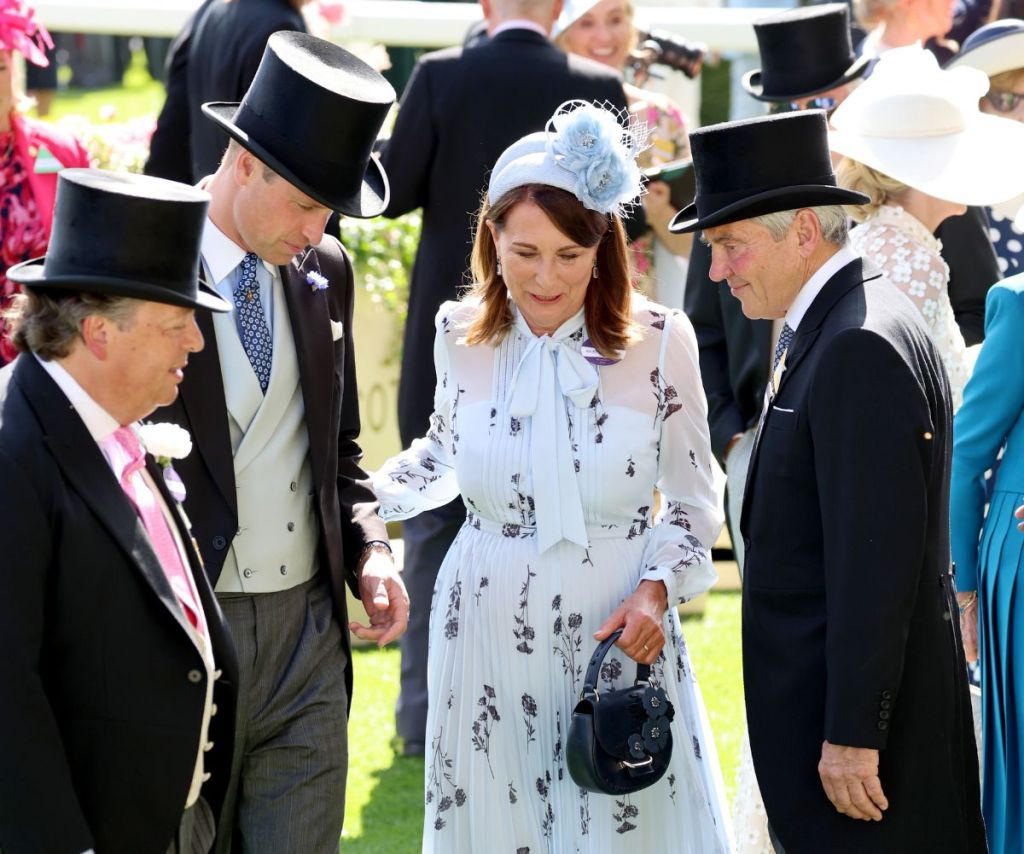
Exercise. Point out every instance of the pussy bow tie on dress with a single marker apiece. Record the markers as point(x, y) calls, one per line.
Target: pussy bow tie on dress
point(549, 372)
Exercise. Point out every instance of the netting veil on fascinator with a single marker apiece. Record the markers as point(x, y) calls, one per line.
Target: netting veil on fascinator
point(20, 31)
point(584, 150)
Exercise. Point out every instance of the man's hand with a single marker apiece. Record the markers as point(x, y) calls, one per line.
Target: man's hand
point(384, 598)
point(969, 624)
point(849, 776)
point(639, 617)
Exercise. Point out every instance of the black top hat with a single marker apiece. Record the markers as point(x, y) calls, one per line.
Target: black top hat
point(804, 51)
point(124, 235)
point(312, 114)
point(759, 166)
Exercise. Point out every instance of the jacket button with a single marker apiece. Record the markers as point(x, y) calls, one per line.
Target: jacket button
point(247, 573)
point(883, 725)
point(291, 526)
point(885, 704)
point(219, 543)
point(195, 677)
point(284, 570)
point(887, 695)
point(294, 486)
point(883, 716)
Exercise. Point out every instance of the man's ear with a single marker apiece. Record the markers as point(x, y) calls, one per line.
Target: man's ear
point(808, 232)
point(95, 332)
point(246, 167)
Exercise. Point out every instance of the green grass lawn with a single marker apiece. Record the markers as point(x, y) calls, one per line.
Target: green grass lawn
point(140, 95)
point(384, 803)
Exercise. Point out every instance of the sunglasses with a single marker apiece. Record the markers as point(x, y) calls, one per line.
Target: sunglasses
point(1005, 102)
point(827, 104)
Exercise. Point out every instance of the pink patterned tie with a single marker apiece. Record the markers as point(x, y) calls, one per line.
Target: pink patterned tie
point(147, 505)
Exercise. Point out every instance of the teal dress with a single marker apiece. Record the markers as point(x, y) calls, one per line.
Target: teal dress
point(989, 551)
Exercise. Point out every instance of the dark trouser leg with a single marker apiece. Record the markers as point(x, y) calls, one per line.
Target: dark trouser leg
point(775, 840)
point(426, 538)
point(291, 748)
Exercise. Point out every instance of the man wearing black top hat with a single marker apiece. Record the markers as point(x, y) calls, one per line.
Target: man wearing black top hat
point(282, 512)
point(855, 682)
point(807, 60)
point(116, 657)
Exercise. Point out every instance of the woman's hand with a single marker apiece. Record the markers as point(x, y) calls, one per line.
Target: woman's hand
point(969, 623)
point(640, 617)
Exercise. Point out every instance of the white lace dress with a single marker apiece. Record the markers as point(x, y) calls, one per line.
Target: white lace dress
point(557, 458)
point(911, 257)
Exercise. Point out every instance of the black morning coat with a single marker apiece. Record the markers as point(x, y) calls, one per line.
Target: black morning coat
point(849, 618)
point(462, 108)
point(102, 689)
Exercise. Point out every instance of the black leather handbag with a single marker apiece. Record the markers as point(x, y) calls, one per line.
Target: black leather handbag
point(619, 741)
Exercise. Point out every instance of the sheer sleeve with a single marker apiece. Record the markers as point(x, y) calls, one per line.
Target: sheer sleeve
point(678, 552)
point(423, 476)
point(916, 270)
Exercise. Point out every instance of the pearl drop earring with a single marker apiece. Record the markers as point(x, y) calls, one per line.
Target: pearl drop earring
point(498, 271)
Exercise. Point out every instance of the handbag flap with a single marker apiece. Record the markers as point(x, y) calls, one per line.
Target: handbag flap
point(617, 716)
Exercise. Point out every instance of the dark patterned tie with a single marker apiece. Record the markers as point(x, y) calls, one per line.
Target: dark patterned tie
point(253, 323)
point(785, 339)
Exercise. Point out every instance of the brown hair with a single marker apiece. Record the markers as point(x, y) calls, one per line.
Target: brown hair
point(608, 301)
point(1008, 79)
point(48, 323)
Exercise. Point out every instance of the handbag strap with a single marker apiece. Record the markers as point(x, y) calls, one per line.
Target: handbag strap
point(643, 671)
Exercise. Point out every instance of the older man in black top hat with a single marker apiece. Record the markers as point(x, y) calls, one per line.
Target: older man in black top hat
point(807, 60)
point(857, 704)
point(283, 515)
point(116, 656)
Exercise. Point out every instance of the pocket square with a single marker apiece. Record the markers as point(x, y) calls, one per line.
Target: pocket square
point(337, 330)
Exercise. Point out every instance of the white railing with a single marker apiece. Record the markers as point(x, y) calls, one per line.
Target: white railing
point(394, 22)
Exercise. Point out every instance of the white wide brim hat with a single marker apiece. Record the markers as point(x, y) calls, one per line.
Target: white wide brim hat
point(993, 49)
point(921, 125)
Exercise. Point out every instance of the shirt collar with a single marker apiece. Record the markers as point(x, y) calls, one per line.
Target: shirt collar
point(100, 423)
point(520, 24)
point(222, 255)
point(812, 287)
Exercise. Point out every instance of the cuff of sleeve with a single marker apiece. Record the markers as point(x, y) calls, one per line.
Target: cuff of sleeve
point(684, 583)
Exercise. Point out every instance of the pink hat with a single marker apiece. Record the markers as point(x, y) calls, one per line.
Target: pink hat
point(20, 31)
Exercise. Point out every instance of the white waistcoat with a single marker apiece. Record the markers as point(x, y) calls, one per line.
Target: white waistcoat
point(275, 547)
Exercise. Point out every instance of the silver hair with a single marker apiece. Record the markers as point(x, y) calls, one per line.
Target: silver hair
point(835, 226)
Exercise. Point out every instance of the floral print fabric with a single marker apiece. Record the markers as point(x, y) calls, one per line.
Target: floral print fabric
point(512, 624)
point(22, 233)
point(911, 258)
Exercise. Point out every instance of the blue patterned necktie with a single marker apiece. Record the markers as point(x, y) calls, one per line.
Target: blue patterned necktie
point(785, 339)
point(252, 322)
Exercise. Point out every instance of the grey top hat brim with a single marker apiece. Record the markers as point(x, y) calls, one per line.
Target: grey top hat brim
point(30, 274)
point(768, 201)
point(752, 83)
point(373, 194)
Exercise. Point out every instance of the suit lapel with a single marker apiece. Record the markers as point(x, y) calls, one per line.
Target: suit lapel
point(314, 350)
point(842, 281)
point(202, 396)
point(85, 468)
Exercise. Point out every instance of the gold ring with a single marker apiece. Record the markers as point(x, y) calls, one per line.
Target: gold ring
point(645, 648)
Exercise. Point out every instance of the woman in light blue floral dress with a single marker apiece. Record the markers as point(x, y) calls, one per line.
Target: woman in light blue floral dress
point(563, 400)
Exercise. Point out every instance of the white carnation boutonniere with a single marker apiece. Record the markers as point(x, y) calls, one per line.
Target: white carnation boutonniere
point(167, 442)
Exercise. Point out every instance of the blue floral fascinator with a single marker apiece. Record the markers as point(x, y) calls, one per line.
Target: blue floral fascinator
point(585, 150)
